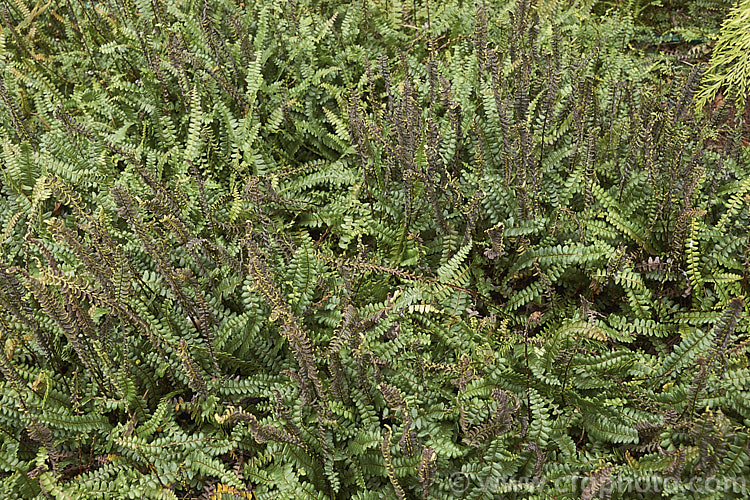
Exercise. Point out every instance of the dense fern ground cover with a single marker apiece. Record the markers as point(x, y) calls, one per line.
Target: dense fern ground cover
point(303, 249)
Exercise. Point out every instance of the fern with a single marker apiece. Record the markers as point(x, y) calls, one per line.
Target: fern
point(305, 250)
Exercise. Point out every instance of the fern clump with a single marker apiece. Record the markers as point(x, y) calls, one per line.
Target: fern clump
point(353, 250)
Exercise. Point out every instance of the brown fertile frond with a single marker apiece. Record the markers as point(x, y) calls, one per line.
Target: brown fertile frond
point(195, 378)
point(500, 421)
point(427, 469)
point(385, 449)
point(393, 397)
point(290, 327)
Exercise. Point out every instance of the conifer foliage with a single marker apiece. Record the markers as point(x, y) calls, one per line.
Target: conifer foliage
point(363, 249)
